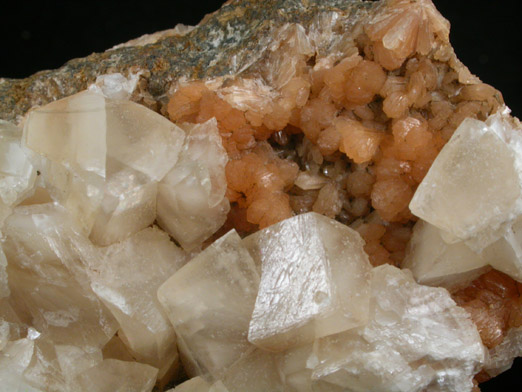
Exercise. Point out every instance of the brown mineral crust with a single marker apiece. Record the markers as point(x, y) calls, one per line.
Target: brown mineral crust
point(224, 43)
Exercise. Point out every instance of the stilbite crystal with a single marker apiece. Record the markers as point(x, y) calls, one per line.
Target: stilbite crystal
point(314, 281)
point(209, 301)
point(416, 339)
point(191, 198)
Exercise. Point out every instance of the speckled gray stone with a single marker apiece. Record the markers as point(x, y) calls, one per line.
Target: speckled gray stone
point(225, 42)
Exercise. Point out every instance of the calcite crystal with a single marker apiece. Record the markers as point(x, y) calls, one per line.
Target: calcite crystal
point(229, 203)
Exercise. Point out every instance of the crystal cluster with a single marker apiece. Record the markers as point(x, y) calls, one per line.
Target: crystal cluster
point(470, 203)
point(250, 241)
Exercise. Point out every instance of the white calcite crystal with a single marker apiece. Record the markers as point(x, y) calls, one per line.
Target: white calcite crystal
point(101, 158)
point(416, 339)
point(17, 174)
point(47, 279)
point(314, 282)
point(191, 198)
point(209, 302)
point(473, 190)
point(435, 262)
point(126, 277)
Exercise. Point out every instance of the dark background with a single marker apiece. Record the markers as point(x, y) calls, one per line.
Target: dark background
point(485, 35)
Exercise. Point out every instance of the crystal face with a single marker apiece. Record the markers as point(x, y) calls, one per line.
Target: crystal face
point(191, 198)
point(239, 229)
point(416, 338)
point(314, 281)
point(107, 171)
point(474, 185)
point(209, 302)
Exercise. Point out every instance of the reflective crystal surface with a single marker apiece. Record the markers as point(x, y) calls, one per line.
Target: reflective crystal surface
point(17, 175)
point(191, 198)
point(209, 301)
point(101, 159)
point(416, 339)
point(48, 282)
point(314, 281)
point(474, 184)
point(126, 277)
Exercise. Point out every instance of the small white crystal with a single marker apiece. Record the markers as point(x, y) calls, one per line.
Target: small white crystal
point(115, 85)
point(314, 282)
point(473, 187)
point(209, 301)
point(191, 198)
point(417, 339)
point(126, 277)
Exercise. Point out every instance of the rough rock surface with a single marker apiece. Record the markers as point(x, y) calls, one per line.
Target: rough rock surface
point(225, 42)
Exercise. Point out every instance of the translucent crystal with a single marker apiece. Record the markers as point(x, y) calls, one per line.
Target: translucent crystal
point(209, 301)
point(47, 279)
point(191, 198)
point(126, 277)
point(416, 339)
point(295, 373)
point(113, 375)
point(197, 384)
point(474, 184)
point(435, 262)
point(501, 357)
point(101, 158)
point(17, 175)
point(128, 205)
point(255, 372)
point(314, 281)
point(14, 360)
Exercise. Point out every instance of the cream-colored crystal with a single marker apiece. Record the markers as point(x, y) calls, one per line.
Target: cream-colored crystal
point(435, 262)
point(126, 277)
point(254, 372)
point(191, 198)
point(17, 175)
point(209, 301)
point(198, 384)
point(416, 339)
point(293, 368)
point(473, 187)
point(47, 278)
point(101, 159)
point(4, 287)
point(314, 281)
point(14, 360)
point(113, 375)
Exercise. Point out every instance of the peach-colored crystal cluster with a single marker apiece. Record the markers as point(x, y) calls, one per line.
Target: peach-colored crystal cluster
point(364, 129)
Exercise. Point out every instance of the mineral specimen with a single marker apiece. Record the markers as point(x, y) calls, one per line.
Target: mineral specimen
point(314, 281)
point(291, 160)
